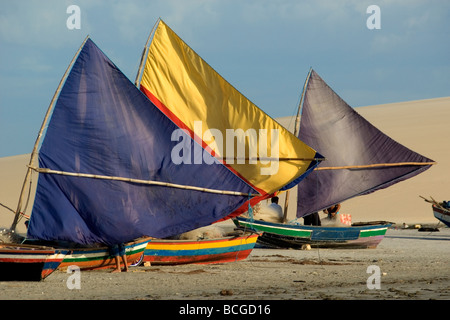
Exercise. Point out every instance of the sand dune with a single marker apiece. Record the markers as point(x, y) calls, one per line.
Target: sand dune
point(420, 125)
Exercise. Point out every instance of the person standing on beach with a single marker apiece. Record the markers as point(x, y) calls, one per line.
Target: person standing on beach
point(118, 251)
point(312, 219)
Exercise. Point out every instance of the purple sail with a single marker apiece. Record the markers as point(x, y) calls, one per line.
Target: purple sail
point(360, 159)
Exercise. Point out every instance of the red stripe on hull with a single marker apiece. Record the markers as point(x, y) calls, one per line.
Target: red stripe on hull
point(19, 260)
point(199, 259)
point(101, 263)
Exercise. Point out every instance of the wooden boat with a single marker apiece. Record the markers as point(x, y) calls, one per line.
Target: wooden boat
point(360, 159)
point(208, 251)
point(276, 235)
point(441, 210)
point(100, 258)
point(19, 262)
point(442, 214)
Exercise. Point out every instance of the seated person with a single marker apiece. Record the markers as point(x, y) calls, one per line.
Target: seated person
point(333, 211)
point(271, 213)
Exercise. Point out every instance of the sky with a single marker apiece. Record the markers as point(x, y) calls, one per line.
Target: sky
point(264, 48)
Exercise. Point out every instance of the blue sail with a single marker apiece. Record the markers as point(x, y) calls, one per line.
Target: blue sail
point(103, 125)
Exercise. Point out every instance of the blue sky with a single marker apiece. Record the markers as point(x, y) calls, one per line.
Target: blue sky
point(263, 47)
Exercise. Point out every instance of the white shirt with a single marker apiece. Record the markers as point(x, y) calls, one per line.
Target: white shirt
point(277, 208)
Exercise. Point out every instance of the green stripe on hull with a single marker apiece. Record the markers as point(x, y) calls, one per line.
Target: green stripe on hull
point(278, 230)
point(372, 232)
point(83, 257)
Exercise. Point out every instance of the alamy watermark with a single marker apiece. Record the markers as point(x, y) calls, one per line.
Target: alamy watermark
point(374, 281)
point(74, 20)
point(241, 147)
point(256, 141)
point(74, 280)
point(374, 20)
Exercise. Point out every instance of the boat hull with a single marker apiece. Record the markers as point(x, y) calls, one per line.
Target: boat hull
point(100, 258)
point(175, 252)
point(276, 235)
point(28, 263)
point(442, 215)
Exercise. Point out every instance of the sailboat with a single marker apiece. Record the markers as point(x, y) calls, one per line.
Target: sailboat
point(442, 213)
point(229, 248)
point(360, 159)
point(107, 174)
point(20, 262)
point(228, 127)
point(441, 210)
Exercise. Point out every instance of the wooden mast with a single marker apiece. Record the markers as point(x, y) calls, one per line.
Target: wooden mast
point(38, 139)
point(144, 54)
point(296, 130)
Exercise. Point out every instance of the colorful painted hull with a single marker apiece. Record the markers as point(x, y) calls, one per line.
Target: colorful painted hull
point(174, 252)
point(100, 257)
point(442, 215)
point(28, 263)
point(277, 235)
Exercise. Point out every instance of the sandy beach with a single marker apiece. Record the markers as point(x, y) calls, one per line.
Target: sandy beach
point(413, 265)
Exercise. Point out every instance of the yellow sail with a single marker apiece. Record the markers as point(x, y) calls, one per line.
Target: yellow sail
point(220, 118)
